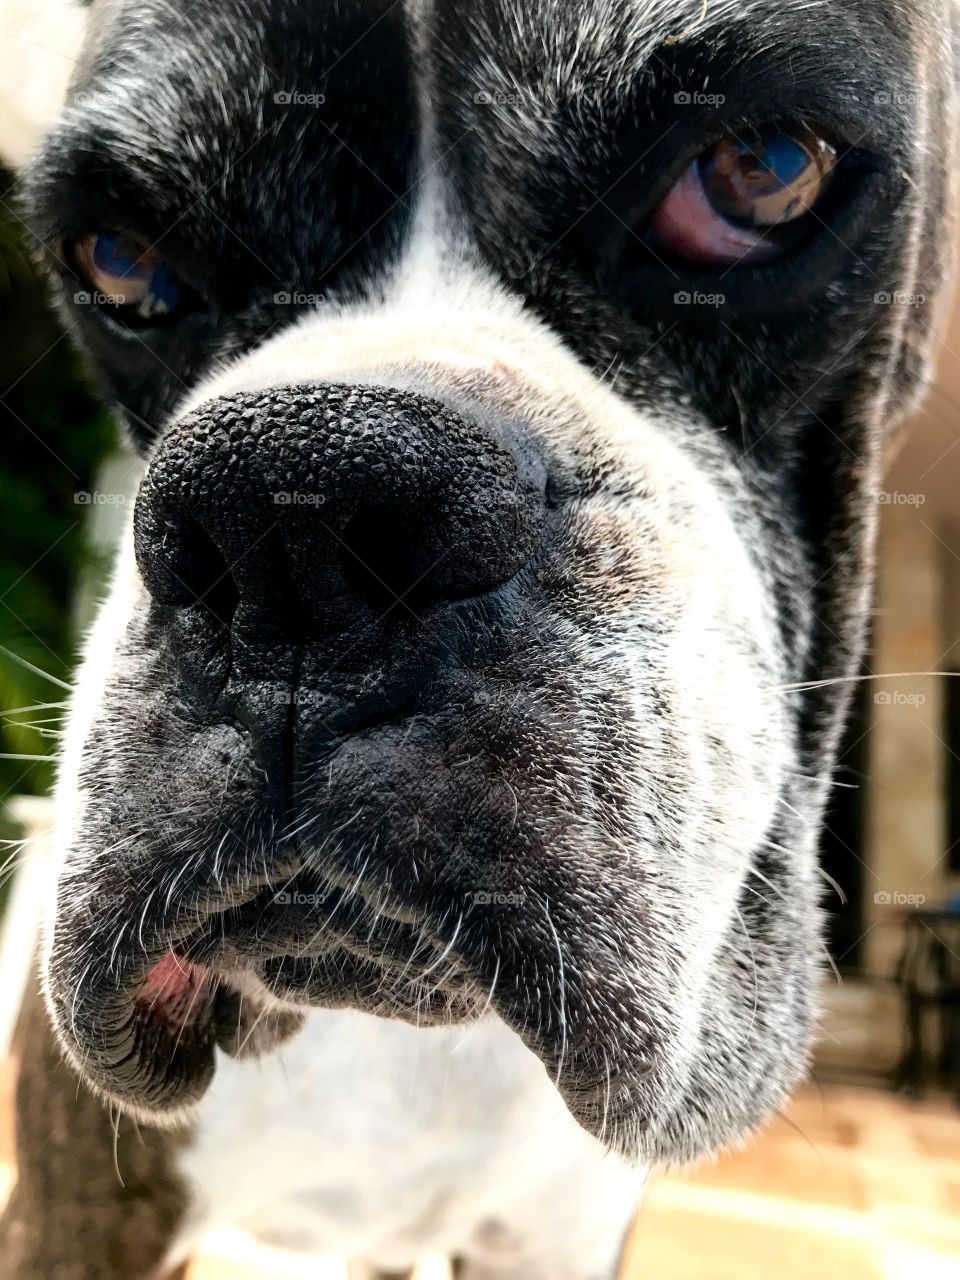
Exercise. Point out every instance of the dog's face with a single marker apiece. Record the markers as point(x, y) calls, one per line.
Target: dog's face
point(512, 381)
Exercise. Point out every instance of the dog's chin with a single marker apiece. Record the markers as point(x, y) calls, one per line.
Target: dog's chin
point(241, 983)
point(168, 1029)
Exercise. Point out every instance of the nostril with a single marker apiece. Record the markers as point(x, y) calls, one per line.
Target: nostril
point(204, 573)
point(379, 559)
point(208, 574)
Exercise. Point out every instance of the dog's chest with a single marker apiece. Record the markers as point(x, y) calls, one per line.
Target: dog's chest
point(363, 1137)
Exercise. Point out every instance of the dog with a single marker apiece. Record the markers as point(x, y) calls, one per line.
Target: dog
point(511, 384)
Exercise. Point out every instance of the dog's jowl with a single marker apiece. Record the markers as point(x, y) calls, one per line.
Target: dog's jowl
point(437, 821)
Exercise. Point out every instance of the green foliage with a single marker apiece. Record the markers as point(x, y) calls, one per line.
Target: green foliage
point(54, 434)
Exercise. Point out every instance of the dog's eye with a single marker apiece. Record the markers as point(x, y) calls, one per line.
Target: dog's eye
point(123, 274)
point(744, 200)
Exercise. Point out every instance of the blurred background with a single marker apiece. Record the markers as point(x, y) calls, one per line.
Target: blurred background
point(56, 435)
point(863, 1174)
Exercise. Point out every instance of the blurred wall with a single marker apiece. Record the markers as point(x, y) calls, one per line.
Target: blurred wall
point(905, 852)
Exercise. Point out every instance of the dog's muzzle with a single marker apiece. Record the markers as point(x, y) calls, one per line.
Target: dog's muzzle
point(332, 573)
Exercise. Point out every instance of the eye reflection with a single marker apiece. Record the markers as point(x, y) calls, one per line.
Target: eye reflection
point(125, 273)
point(773, 180)
point(745, 200)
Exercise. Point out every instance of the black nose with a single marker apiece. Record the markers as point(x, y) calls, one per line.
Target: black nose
point(288, 513)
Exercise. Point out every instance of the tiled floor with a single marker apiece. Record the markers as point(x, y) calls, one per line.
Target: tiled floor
point(849, 1183)
point(852, 1184)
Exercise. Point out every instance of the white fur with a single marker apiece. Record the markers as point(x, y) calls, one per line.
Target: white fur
point(380, 1141)
point(39, 43)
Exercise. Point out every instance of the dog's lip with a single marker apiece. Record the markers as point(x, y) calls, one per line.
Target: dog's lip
point(269, 933)
point(237, 981)
point(184, 996)
point(141, 1019)
point(174, 990)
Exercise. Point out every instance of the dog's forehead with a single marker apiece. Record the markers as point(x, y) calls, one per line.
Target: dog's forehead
point(194, 89)
point(605, 38)
point(198, 83)
point(590, 43)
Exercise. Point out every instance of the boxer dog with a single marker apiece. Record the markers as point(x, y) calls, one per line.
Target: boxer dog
point(438, 810)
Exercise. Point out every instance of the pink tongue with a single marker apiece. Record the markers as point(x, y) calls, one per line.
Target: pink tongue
point(172, 990)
